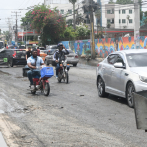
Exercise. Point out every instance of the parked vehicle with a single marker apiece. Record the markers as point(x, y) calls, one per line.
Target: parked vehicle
point(52, 47)
point(41, 48)
point(72, 58)
point(22, 47)
point(43, 55)
point(122, 73)
point(49, 57)
point(1, 44)
point(12, 57)
point(63, 72)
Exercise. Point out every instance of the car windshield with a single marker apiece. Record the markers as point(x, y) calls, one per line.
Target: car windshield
point(1, 45)
point(70, 51)
point(137, 60)
point(53, 47)
point(51, 52)
point(21, 47)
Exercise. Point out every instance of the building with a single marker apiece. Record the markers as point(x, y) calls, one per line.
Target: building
point(119, 16)
point(66, 9)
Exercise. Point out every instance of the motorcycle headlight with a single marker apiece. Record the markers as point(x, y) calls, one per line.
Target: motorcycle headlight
point(143, 79)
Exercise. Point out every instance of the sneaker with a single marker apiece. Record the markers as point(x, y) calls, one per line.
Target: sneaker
point(56, 77)
point(31, 87)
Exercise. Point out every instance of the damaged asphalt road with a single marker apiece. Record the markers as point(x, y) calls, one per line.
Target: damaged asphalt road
point(72, 115)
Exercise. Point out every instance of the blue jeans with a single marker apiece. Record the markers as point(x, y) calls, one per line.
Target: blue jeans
point(32, 74)
point(57, 69)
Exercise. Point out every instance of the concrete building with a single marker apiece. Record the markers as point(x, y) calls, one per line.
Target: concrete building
point(119, 16)
point(66, 9)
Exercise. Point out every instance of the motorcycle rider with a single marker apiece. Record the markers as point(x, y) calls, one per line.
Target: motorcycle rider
point(59, 56)
point(34, 62)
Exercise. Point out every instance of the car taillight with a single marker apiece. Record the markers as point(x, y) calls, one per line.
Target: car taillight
point(76, 56)
point(14, 55)
point(98, 65)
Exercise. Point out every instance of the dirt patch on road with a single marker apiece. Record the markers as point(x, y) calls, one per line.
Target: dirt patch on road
point(5, 73)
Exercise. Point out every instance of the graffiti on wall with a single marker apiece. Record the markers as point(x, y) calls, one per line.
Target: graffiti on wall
point(104, 47)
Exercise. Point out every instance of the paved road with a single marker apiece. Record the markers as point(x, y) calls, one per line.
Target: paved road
point(72, 115)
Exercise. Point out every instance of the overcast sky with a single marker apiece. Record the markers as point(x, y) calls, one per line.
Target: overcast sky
point(9, 6)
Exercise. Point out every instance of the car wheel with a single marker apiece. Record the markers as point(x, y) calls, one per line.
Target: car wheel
point(129, 94)
point(101, 87)
point(11, 63)
point(74, 65)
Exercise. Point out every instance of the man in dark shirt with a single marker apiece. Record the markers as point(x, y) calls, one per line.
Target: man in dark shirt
point(28, 53)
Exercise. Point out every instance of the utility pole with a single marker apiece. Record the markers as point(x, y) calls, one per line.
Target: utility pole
point(92, 34)
point(136, 24)
point(9, 23)
point(16, 32)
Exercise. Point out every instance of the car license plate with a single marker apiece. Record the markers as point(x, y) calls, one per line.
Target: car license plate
point(22, 56)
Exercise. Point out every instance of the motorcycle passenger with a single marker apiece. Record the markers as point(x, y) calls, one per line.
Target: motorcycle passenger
point(28, 53)
point(34, 62)
point(59, 56)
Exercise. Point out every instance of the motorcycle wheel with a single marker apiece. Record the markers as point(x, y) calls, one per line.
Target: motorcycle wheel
point(67, 78)
point(46, 89)
point(33, 92)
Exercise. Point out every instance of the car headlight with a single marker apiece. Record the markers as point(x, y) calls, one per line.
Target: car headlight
point(143, 79)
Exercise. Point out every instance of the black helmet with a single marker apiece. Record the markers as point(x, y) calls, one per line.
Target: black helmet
point(60, 44)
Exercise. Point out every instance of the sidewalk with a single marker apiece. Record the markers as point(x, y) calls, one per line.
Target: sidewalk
point(2, 141)
point(92, 62)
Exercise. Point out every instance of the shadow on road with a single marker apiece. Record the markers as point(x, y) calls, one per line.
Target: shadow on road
point(117, 99)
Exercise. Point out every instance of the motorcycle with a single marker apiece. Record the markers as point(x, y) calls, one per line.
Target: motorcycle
point(63, 72)
point(41, 83)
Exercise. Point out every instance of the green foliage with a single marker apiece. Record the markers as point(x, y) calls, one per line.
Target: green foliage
point(73, 1)
point(111, 2)
point(108, 25)
point(69, 33)
point(48, 23)
point(124, 2)
point(82, 31)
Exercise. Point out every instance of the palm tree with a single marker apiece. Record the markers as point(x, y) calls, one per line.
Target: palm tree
point(98, 17)
point(128, 17)
point(73, 2)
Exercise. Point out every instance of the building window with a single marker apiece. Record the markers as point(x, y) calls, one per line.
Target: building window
point(130, 21)
point(70, 11)
point(119, 20)
point(108, 21)
point(130, 11)
point(123, 21)
point(119, 11)
point(112, 21)
point(108, 11)
point(123, 11)
point(112, 11)
point(57, 10)
point(62, 11)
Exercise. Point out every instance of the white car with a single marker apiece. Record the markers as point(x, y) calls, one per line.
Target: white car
point(122, 73)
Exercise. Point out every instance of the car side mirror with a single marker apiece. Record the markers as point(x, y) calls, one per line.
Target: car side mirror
point(119, 65)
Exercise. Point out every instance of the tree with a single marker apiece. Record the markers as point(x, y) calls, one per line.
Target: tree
point(98, 17)
point(124, 2)
point(108, 25)
point(73, 2)
point(111, 2)
point(48, 23)
point(128, 17)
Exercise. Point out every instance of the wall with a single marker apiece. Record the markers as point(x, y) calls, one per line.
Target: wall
point(106, 46)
